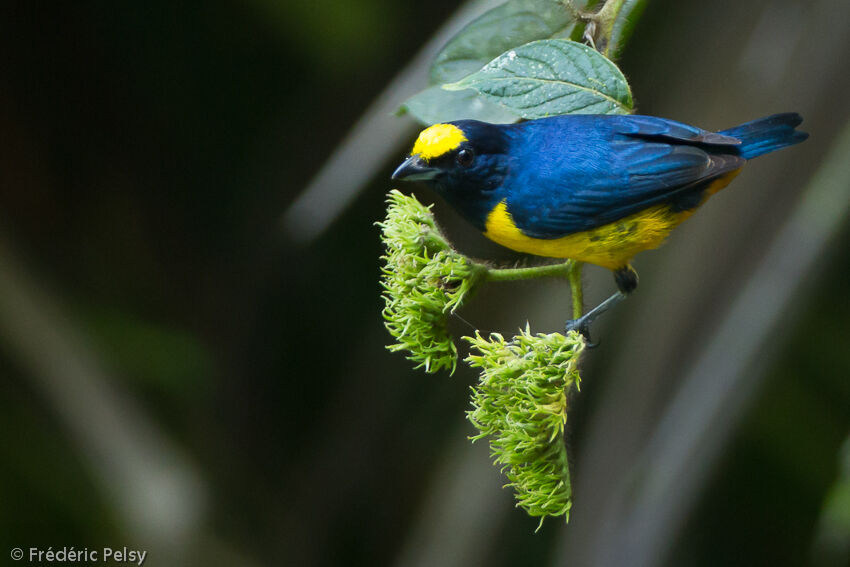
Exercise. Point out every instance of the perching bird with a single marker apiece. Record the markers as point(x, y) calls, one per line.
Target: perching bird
point(594, 188)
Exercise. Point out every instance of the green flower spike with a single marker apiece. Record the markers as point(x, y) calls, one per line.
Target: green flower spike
point(520, 403)
point(424, 280)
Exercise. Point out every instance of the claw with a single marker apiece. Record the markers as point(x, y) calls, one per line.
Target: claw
point(582, 327)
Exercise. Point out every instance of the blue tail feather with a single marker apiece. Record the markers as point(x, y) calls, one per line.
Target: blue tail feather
point(767, 134)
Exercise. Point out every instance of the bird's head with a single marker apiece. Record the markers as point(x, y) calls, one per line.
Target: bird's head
point(465, 162)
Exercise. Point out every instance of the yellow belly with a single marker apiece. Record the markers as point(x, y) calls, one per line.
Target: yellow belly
point(611, 246)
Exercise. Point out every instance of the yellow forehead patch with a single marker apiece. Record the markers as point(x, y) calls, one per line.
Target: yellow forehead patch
point(438, 140)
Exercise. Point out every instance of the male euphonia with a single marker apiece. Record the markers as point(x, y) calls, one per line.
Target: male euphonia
point(594, 188)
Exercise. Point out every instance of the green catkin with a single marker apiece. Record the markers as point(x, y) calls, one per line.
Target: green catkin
point(424, 280)
point(520, 404)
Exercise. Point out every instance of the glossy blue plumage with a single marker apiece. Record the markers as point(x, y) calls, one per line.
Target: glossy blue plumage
point(568, 174)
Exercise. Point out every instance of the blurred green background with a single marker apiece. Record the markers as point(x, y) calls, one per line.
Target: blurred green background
point(186, 374)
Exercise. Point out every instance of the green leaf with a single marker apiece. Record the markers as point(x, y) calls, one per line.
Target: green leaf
point(435, 105)
point(552, 77)
point(510, 25)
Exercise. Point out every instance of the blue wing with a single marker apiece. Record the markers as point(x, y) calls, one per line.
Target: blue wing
point(593, 170)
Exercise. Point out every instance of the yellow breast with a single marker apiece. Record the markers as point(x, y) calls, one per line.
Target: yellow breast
point(611, 246)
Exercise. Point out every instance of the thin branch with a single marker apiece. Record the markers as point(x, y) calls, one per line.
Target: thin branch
point(577, 289)
point(513, 274)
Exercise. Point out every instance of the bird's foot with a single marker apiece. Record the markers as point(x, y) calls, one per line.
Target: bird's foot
point(582, 327)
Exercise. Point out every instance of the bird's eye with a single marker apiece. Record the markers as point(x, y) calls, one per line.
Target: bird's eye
point(465, 157)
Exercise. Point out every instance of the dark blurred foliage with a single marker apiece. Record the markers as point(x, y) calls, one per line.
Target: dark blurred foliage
point(766, 498)
point(147, 150)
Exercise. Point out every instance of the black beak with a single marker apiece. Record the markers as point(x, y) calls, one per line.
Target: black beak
point(414, 168)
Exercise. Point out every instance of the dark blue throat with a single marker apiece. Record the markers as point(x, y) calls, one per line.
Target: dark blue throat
point(475, 191)
point(473, 206)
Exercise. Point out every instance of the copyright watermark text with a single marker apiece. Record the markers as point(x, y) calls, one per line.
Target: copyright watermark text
point(108, 555)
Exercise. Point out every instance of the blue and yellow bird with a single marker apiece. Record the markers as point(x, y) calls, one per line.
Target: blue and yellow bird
point(594, 188)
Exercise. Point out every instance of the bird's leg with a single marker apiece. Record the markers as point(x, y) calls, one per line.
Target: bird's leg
point(582, 324)
point(627, 280)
